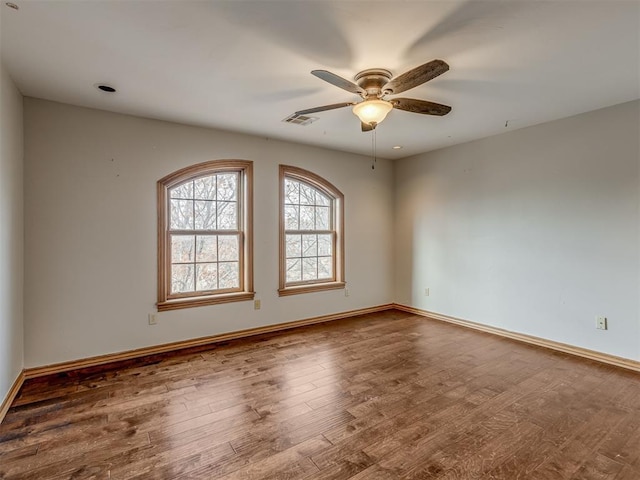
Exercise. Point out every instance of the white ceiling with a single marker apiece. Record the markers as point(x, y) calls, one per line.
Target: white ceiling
point(244, 65)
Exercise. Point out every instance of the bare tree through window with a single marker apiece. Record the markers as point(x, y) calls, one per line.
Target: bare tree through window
point(309, 237)
point(204, 234)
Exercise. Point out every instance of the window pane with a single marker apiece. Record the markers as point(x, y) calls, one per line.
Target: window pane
point(182, 279)
point(206, 248)
point(322, 199)
point(291, 217)
point(322, 218)
point(182, 191)
point(291, 192)
point(307, 195)
point(204, 188)
point(228, 248)
point(228, 275)
point(325, 267)
point(181, 215)
point(182, 248)
point(309, 256)
point(205, 215)
point(306, 218)
point(227, 186)
point(310, 268)
point(206, 276)
point(294, 270)
point(294, 246)
point(309, 245)
point(325, 245)
point(227, 215)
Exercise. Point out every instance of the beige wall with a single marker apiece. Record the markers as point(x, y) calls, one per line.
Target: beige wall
point(90, 209)
point(535, 231)
point(11, 233)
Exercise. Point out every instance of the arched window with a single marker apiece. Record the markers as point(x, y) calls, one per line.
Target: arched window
point(311, 233)
point(204, 235)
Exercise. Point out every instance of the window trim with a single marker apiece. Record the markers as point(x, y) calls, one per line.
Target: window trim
point(245, 197)
point(326, 187)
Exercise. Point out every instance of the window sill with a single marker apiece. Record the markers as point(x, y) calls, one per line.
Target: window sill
point(317, 287)
point(203, 301)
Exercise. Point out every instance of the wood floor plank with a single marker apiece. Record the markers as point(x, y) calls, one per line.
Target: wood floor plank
point(627, 473)
point(293, 462)
point(61, 456)
point(163, 461)
point(598, 468)
point(388, 395)
point(485, 454)
point(345, 467)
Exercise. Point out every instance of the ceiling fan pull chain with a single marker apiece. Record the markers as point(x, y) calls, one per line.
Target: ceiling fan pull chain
point(374, 145)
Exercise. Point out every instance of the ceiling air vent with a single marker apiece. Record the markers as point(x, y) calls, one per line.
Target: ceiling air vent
point(300, 119)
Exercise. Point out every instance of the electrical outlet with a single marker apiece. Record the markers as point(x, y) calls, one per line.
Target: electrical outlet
point(601, 323)
point(256, 304)
point(426, 292)
point(153, 319)
point(346, 292)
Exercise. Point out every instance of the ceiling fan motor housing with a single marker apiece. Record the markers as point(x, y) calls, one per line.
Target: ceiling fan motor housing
point(372, 81)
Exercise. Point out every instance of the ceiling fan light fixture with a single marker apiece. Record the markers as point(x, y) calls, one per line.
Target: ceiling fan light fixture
point(372, 111)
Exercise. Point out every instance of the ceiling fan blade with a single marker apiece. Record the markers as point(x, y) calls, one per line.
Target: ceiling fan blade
point(367, 127)
point(420, 106)
point(334, 79)
point(324, 107)
point(415, 77)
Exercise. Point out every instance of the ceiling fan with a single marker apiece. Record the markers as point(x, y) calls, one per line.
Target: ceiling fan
point(375, 84)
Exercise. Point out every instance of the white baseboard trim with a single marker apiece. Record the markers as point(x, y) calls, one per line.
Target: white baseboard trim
point(62, 367)
point(541, 342)
point(11, 395)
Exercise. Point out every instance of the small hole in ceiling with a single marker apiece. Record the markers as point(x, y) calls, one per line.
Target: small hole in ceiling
point(105, 88)
point(12, 5)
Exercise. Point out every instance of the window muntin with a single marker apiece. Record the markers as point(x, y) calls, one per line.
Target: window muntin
point(311, 233)
point(309, 236)
point(205, 235)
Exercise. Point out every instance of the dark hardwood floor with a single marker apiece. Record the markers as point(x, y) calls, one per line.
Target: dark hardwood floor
point(382, 396)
